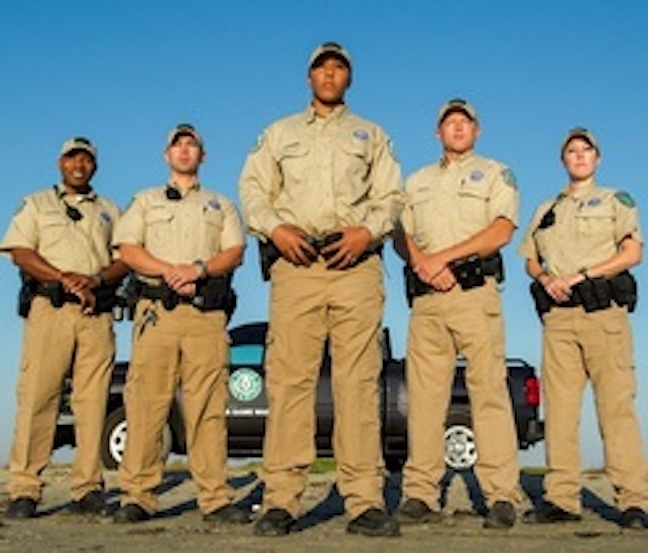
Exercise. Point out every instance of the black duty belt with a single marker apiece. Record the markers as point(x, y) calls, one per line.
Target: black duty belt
point(150, 292)
point(269, 253)
point(212, 294)
point(469, 272)
point(167, 296)
point(54, 291)
point(593, 294)
point(105, 296)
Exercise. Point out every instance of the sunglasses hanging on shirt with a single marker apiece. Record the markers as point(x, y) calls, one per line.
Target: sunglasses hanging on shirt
point(172, 194)
point(73, 213)
point(549, 217)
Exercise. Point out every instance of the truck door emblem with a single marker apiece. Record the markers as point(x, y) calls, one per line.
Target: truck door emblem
point(245, 384)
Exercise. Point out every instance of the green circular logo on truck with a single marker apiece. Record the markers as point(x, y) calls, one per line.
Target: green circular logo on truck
point(245, 384)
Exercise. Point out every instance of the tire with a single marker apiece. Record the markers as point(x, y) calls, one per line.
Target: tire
point(460, 447)
point(113, 439)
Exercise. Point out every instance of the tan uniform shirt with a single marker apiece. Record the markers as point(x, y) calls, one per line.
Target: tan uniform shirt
point(448, 203)
point(589, 224)
point(321, 173)
point(198, 226)
point(42, 225)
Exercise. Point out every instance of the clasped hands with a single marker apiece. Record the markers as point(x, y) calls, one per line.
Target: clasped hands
point(433, 269)
point(560, 287)
point(293, 245)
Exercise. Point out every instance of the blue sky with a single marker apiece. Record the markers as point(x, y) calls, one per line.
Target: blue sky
point(124, 73)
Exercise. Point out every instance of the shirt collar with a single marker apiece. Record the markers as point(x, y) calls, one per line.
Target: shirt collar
point(89, 196)
point(338, 112)
point(196, 186)
point(579, 193)
point(460, 160)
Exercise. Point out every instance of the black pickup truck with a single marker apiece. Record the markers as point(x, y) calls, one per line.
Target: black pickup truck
point(247, 408)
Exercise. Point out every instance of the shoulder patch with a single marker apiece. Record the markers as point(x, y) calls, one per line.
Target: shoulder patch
point(509, 177)
point(22, 206)
point(259, 142)
point(390, 149)
point(625, 198)
point(130, 204)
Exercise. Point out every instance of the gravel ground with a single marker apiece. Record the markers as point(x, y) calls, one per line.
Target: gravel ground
point(179, 526)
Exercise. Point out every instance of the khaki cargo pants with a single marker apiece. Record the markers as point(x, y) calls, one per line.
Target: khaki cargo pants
point(54, 341)
point(307, 305)
point(578, 346)
point(189, 348)
point(441, 326)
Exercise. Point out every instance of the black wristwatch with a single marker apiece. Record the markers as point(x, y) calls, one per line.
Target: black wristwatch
point(202, 266)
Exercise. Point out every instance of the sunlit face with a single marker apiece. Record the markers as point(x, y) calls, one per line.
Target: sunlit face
point(184, 155)
point(458, 133)
point(329, 80)
point(580, 159)
point(77, 168)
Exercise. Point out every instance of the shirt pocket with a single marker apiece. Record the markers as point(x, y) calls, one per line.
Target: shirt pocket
point(353, 166)
point(213, 228)
point(159, 227)
point(474, 201)
point(596, 225)
point(293, 160)
point(53, 226)
point(419, 202)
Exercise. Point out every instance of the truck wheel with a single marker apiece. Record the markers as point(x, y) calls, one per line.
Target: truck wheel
point(113, 439)
point(460, 448)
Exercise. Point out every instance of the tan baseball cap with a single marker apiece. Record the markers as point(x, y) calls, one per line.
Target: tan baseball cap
point(329, 49)
point(456, 104)
point(78, 144)
point(580, 132)
point(184, 129)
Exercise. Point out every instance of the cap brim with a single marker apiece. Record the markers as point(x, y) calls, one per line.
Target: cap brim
point(78, 149)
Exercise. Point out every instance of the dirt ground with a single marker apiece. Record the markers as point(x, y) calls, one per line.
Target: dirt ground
point(179, 526)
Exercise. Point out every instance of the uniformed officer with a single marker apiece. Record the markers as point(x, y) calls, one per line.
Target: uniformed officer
point(578, 249)
point(321, 191)
point(60, 239)
point(459, 212)
point(184, 242)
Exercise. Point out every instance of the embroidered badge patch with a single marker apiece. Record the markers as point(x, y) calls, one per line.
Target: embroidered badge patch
point(593, 202)
point(259, 142)
point(476, 175)
point(509, 177)
point(213, 205)
point(361, 134)
point(105, 217)
point(390, 149)
point(625, 198)
point(22, 206)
